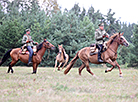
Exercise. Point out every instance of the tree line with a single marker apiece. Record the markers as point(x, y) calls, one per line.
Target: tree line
point(73, 28)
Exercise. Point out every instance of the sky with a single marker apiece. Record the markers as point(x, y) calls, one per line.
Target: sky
point(125, 10)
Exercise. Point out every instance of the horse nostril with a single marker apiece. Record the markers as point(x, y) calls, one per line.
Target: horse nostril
point(53, 48)
point(126, 44)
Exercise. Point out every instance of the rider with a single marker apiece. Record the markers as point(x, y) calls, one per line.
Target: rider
point(100, 33)
point(27, 39)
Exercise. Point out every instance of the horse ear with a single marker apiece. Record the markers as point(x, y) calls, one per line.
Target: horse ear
point(119, 33)
point(122, 34)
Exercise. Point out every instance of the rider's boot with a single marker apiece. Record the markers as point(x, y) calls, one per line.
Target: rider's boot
point(99, 58)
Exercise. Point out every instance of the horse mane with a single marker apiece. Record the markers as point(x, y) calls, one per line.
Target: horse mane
point(111, 38)
point(63, 52)
point(39, 46)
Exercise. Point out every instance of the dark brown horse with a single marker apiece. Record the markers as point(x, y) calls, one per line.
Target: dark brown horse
point(36, 59)
point(61, 57)
point(108, 56)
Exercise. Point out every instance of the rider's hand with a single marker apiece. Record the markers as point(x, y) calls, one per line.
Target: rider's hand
point(103, 36)
point(107, 36)
point(27, 41)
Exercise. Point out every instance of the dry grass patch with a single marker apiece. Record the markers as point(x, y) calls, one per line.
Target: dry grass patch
point(49, 86)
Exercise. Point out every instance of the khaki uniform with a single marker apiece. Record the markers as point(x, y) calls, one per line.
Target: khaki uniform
point(99, 36)
point(29, 38)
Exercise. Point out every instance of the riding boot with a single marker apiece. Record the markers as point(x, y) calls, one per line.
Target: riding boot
point(29, 62)
point(30, 59)
point(99, 57)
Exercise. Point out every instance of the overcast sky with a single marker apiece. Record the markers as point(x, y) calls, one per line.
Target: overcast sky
point(127, 10)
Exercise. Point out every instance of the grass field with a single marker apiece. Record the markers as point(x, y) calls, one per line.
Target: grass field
point(49, 86)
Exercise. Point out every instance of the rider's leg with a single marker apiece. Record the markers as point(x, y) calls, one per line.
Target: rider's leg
point(100, 46)
point(30, 55)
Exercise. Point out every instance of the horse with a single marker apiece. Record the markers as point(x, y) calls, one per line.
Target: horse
point(36, 59)
point(61, 57)
point(108, 56)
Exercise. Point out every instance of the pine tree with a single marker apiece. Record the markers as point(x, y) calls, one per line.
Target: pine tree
point(11, 34)
point(134, 56)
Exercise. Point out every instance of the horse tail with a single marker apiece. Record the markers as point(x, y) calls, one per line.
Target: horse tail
point(72, 62)
point(5, 57)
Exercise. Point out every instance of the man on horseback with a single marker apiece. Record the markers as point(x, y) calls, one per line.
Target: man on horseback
point(27, 39)
point(100, 33)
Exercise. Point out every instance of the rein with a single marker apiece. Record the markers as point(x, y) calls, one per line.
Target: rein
point(118, 42)
point(113, 51)
point(48, 52)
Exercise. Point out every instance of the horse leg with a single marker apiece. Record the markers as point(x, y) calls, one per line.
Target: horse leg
point(88, 68)
point(59, 66)
point(11, 65)
point(55, 66)
point(120, 72)
point(10, 68)
point(34, 68)
point(113, 66)
point(81, 68)
point(64, 65)
point(66, 61)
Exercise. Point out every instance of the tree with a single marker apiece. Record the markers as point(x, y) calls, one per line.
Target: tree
point(134, 49)
point(49, 6)
point(11, 33)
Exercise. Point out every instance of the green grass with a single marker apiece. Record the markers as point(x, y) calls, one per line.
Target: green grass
point(49, 86)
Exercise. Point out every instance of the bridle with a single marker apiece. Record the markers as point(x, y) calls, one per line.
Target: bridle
point(45, 44)
point(114, 40)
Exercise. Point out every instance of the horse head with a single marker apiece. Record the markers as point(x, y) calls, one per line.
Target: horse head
point(119, 38)
point(60, 48)
point(122, 40)
point(48, 45)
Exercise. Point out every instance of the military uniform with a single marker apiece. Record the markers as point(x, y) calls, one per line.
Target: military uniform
point(28, 42)
point(99, 36)
point(99, 40)
point(26, 38)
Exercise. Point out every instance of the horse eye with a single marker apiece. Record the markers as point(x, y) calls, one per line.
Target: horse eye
point(121, 38)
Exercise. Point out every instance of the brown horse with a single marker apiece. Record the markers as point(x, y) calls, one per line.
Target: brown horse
point(108, 56)
point(36, 59)
point(62, 57)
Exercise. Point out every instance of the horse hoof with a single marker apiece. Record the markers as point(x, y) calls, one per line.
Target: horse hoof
point(120, 76)
point(105, 71)
point(34, 73)
point(12, 71)
point(95, 76)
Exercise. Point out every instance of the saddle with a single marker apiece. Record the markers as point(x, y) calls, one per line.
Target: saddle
point(24, 50)
point(94, 48)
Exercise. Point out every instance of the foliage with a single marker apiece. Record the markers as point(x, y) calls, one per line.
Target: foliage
point(134, 49)
point(73, 28)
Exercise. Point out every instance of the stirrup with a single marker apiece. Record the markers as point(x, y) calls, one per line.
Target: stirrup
point(34, 54)
point(100, 60)
point(29, 63)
